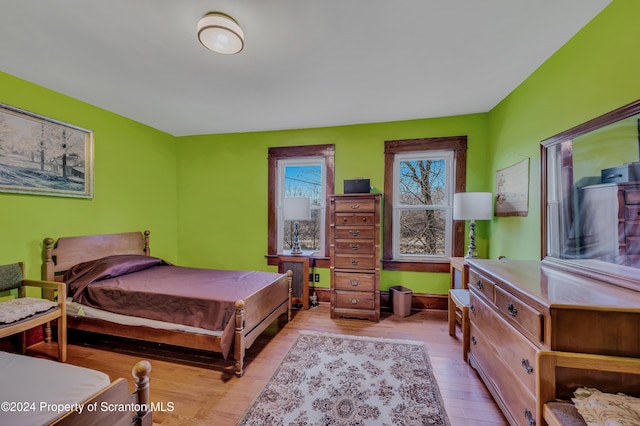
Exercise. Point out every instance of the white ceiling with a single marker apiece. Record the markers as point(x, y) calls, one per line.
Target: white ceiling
point(305, 63)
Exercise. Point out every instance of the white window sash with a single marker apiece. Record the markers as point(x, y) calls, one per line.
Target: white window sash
point(281, 166)
point(446, 207)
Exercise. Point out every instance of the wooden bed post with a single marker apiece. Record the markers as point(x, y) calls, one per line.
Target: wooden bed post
point(141, 372)
point(47, 266)
point(239, 348)
point(147, 249)
point(290, 281)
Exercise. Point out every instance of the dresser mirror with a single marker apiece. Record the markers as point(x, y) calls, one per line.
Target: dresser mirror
point(590, 197)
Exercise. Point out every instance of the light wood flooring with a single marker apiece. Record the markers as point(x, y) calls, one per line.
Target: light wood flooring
point(204, 390)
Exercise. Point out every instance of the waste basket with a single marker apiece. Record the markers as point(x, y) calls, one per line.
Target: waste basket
point(401, 300)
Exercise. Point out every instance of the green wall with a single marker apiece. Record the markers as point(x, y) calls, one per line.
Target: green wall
point(208, 193)
point(135, 182)
point(595, 72)
point(222, 187)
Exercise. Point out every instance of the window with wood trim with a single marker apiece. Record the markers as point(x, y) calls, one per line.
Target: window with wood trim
point(299, 171)
point(421, 176)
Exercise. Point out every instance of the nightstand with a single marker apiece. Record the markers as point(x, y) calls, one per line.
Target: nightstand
point(459, 271)
point(299, 265)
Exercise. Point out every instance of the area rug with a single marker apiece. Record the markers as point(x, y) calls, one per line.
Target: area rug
point(329, 379)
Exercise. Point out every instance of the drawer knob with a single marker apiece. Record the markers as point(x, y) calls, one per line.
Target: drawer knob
point(473, 340)
point(479, 284)
point(354, 232)
point(354, 301)
point(513, 311)
point(529, 416)
point(364, 219)
point(354, 262)
point(355, 246)
point(355, 206)
point(344, 219)
point(472, 308)
point(354, 283)
point(527, 367)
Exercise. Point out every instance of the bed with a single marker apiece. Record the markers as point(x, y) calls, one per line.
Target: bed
point(44, 392)
point(215, 310)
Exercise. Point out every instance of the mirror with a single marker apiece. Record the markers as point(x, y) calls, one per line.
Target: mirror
point(590, 209)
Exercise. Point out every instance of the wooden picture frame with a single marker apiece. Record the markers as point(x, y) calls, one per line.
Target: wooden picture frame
point(43, 156)
point(512, 190)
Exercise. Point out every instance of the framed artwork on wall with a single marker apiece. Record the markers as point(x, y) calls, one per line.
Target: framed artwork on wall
point(40, 155)
point(512, 190)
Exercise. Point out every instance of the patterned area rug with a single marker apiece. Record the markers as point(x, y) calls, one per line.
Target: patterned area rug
point(328, 379)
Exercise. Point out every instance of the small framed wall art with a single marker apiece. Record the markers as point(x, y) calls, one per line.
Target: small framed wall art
point(40, 155)
point(512, 190)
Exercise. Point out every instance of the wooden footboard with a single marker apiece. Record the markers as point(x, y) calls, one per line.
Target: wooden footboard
point(262, 313)
point(114, 405)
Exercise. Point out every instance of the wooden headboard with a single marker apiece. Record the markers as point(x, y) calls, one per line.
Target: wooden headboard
point(69, 251)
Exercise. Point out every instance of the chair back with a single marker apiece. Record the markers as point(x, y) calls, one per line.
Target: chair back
point(11, 276)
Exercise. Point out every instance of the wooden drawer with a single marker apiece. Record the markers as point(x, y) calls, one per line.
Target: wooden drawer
point(632, 227)
point(359, 282)
point(516, 352)
point(354, 246)
point(528, 319)
point(632, 212)
point(632, 195)
point(355, 300)
point(517, 397)
point(633, 244)
point(355, 205)
point(355, 261)
point(354, 219)
point(356, 231)
point(482, 284)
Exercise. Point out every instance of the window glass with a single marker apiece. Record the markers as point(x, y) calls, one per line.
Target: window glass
point(303, 179)
point(421, 206)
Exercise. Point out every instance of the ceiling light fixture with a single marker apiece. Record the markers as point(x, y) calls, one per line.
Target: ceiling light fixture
point(220, 33)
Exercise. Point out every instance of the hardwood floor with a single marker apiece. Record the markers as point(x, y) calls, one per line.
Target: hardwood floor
point(204, 390)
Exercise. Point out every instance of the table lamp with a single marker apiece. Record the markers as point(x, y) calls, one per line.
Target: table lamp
point(472, 206)
point(296, 209)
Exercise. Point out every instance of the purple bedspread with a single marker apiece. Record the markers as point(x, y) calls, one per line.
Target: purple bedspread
point(148, 287)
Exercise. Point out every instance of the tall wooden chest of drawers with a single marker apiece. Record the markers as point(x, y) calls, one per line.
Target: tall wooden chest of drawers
point(520, 307)
point(355, 255)
point(610, 225)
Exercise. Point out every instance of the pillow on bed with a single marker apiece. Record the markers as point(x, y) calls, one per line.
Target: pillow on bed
point(79, 276)
point(606, 409)
point(13, 310)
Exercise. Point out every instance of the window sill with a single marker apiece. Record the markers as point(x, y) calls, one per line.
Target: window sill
point(404, 265)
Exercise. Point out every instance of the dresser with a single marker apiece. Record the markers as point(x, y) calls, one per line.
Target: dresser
point(610, 223)
point(355, 255)
point(518, 308)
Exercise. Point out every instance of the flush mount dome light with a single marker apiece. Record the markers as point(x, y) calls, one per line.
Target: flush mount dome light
point(220, 33)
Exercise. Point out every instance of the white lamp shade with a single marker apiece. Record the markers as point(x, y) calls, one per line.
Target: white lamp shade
point(297, 208)
point(472, 205)
point(220, 33)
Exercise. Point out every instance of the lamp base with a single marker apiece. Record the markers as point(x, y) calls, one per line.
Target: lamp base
point(295, 247)
point(472, 253)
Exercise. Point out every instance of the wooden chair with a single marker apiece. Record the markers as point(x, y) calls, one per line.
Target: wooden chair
point(459, 311)
point(560, 373)
point(12, 277)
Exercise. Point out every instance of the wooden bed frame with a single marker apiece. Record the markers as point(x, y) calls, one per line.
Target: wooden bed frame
point(116, 393)
point(253, 315)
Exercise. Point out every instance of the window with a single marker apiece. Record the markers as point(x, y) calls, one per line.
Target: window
point(300, 171)
point(421, 176)
point(301, 178)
